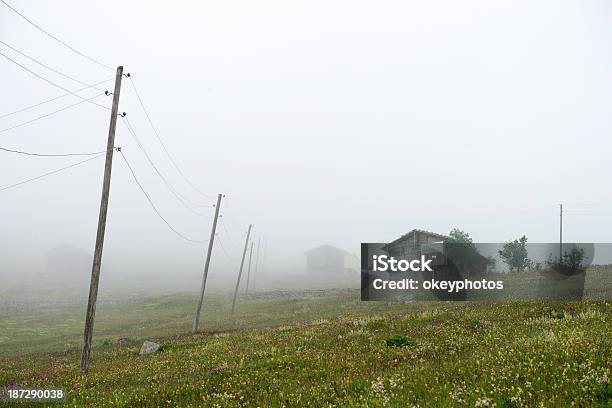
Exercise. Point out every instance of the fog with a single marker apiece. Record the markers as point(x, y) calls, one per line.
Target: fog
point(322, 122)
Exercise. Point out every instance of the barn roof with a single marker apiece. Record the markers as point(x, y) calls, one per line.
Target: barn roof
point(420, 231)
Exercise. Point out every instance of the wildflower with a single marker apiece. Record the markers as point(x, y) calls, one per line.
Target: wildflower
point(484, 402)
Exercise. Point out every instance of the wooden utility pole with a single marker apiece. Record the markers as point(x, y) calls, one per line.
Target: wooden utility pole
point(97, 260)
point(196, 320)
point(246, 243)
point(560, 233)
point(249, 270)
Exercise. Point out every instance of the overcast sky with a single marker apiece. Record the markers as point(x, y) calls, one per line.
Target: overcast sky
point(324, 122)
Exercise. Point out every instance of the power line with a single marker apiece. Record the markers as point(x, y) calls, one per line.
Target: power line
point(49, 81)
point(50, 173)
point(182, 199)
point(227, 232)
point(49, 114)
point(231, 258)
point(224, 227)
point(54, 37)
point(50, 155)
point(144, 109)
point(153, 205)
point(230, 212)
point(52, 99)
point(181, 196)
point(48, 67)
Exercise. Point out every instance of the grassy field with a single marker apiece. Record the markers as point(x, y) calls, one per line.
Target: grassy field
point(59, 328)
point(322, 350)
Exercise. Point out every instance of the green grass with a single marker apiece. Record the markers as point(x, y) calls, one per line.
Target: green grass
point(332, 351)
point(60, 328)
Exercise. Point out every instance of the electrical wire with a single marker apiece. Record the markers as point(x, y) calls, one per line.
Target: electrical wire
point(49, 114)
point(144, 109)
point(230, 212)
point(50, 155)
point(52, 99)
point(232, 244)
point(231, 258)
point(48, 67)
point(133, 133)
point(50, 173)
point(224, 227)
point(182, 199)
point(49, 81)
point(153, 205)
point(54, 37)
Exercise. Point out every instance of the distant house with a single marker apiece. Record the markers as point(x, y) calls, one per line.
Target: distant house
point(68, 262)
point(327, 259)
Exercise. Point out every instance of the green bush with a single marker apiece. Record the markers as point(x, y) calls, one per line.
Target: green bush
point(398, 341)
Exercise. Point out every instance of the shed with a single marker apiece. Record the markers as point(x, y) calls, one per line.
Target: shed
point(326, 259)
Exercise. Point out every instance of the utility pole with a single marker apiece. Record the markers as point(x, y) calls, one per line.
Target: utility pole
point(246, 243)
point(97, 260)
point(560, 233)
point(196, 320)
point(249, 270)
point(256, 260)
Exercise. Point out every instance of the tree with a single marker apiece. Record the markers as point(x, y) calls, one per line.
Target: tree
point(574, 258)
point(571, 263)
point(458, 236)
point(515, 255)
point(462, 251)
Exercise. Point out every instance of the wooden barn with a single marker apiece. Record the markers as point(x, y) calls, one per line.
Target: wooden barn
point(415, 243)
point(446, 253)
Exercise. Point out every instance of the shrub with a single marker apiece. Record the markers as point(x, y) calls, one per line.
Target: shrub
point(398, 341)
